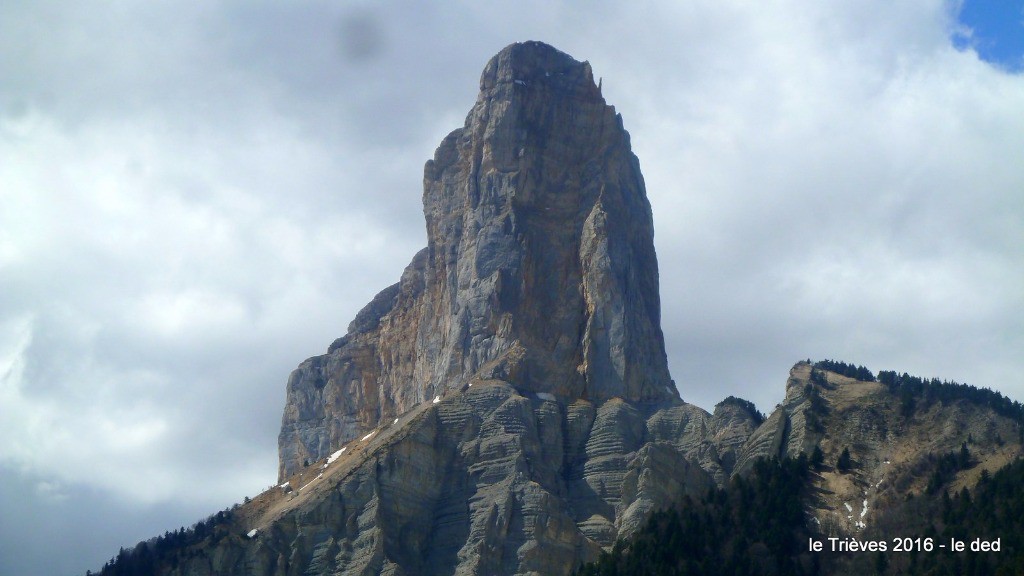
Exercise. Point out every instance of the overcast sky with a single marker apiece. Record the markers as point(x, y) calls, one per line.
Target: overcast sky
point(195, 197)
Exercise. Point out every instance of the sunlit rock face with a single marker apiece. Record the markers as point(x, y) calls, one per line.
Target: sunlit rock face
point(540, 268)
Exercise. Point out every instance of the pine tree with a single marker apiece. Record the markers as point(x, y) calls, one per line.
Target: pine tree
point(817, 457)
point(844, 463)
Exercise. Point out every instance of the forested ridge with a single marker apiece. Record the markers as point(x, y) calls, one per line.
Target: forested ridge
point(755, 525)
point(758, 524)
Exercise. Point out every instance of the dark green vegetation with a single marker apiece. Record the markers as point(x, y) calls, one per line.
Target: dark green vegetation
point(916, 392)
point(148, 557)
point(844, 462)
point(946, 468)
point(993, 509)
point(745, 405)
point(755, 525)
point(849, 370)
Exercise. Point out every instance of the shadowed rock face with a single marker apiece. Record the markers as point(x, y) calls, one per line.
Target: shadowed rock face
point(486, 481)
point(491, 480)
point(539, 270)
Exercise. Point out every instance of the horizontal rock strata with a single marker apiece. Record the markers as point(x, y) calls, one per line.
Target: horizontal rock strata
point(539, 270)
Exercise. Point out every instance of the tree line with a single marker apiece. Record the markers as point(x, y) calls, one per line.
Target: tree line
point(755, 525)
point(915, 392)
point(849, 370)
point(147, 557)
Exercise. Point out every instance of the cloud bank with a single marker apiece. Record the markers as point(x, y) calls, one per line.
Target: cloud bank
point(197, 198)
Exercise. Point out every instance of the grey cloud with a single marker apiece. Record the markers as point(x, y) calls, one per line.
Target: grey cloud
point(89, 525)
point(205, 197)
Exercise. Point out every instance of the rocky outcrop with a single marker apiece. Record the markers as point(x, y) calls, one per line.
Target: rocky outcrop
point(488, 481)
point(893, 451)
point(788, 431)
point(731, 425)
point(539, 270)
point(494, 480)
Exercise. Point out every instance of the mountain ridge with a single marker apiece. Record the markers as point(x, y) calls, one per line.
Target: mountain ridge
point(287, 517)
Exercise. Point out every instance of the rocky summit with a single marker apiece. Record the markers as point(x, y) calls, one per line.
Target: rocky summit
point(506, 407)
point(539, 269)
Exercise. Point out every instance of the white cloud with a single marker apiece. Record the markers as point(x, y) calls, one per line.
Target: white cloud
point(144, 268)
point(197, 199)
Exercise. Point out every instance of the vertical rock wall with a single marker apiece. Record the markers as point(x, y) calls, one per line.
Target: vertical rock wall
point(539, 270)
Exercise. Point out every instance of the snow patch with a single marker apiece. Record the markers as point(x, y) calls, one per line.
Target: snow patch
point(864, 510)
point(546, 396)
point(860, 524)
point(520, 82)
point(284, 486)
point(669, 390)
point(436, 399)
point(367, 437)
point(335, 456)
point(396, 421)
point(252, 533)
point(848, 507)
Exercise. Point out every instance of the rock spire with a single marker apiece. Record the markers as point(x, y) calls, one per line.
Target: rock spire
point(539, 271)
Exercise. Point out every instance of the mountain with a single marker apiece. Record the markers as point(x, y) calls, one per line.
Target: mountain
point(506, 407)
point(885, 454)
point(539, 268)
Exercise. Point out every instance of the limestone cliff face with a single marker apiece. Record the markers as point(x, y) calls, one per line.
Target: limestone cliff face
point(788, 431)
point(539, 270)
point(495, 480)
point(487, 481)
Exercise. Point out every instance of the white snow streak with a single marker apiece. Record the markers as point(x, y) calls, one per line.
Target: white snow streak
point(335, 456)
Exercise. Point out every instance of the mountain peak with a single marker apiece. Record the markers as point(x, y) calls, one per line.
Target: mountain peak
point(539, 270)
point(526, 63)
